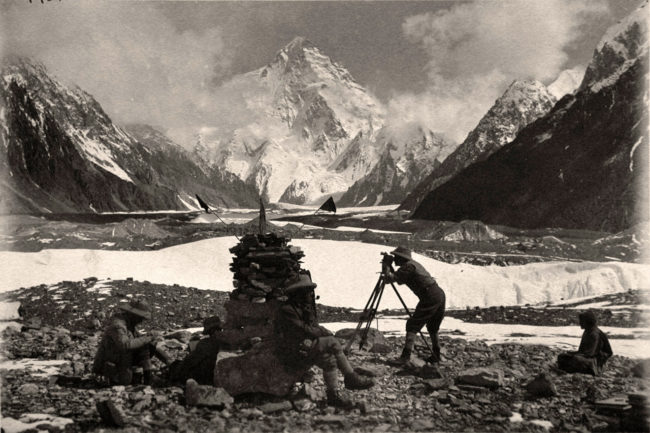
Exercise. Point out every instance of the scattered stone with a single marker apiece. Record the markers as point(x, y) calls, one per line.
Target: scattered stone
point(111, 414)
point(436, 384)
point(481, 376)
point(304, 405)
point(206, 395)
point(421, 424)
point(541, 386)
point(28, 389)
point(276, 407)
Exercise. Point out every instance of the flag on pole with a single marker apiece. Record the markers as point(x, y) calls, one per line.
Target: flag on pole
point(203, 204)
point(329, 205)
point(262, 219)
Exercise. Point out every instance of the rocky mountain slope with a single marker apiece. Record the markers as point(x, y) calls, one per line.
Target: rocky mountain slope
point(308, 132)
point(408, 158)
point(522, 103)
point(62, 153)
point(581, 166)
point(189, 175)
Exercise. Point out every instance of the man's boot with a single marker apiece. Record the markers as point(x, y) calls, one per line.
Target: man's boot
point(407, 351)
point(334, 398)
point(353, 380)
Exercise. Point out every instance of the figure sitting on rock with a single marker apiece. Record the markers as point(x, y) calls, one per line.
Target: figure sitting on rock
point(593, 352)
point(200, 362)
point(122, 351)
point(302, 343)
point(430, 309)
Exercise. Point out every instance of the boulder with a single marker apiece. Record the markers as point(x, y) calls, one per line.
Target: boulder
point(258, 370)
point(206, 395)
point(541, 386)
point(486, 377)
point(374, 338)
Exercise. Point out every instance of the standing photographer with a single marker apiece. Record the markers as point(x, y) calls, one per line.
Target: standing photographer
point(431, 308)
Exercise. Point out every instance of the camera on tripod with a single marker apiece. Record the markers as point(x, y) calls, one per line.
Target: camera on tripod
point(388, 259)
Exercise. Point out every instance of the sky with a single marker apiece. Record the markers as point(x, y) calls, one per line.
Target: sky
point(438, 63)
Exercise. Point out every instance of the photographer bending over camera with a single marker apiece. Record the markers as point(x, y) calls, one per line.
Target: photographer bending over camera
point(431, 308)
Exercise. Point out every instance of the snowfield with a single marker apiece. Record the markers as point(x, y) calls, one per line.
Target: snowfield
point(345, 272)
point(630, 342)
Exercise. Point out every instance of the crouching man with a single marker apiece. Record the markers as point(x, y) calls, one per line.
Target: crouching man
point(302, 343)
point(200, 362)
point(121, 351)
point(593, 352)
point(430, 309)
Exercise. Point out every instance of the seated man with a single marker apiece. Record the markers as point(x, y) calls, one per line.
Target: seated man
point(200, 362)
point(121, 350)
point(593, 352)
point(302, 342)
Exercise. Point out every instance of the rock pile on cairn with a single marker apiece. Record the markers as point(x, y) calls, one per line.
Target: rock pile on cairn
point(264, 265)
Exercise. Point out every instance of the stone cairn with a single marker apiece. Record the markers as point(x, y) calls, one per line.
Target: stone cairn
point(263, 266)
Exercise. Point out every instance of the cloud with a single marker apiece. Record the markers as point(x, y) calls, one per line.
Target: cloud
point(128, 55)
point(476, 49)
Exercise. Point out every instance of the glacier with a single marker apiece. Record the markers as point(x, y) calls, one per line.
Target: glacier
point(345, 271)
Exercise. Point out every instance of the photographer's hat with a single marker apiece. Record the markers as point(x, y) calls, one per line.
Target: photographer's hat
point(405, 253)
point(137, 307)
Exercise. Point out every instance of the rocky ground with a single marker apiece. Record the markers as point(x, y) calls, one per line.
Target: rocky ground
point(63, 322)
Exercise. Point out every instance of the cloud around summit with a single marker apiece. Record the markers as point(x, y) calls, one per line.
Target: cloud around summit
point(147, 62)
point(475, 50)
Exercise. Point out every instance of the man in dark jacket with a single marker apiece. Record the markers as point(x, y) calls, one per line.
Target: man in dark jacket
point(200, 362)
point(121, 350)
point(302, 342)
point(431, 306)
point(593, 352)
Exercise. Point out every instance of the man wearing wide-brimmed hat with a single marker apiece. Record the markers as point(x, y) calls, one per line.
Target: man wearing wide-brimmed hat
point(431, 308)
point(302, 342)
point(121, 350)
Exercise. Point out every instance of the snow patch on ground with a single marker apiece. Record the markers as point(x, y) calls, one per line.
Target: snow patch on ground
point(9, 310)
point(564, 337)
point(36, 367)
point(30, 421)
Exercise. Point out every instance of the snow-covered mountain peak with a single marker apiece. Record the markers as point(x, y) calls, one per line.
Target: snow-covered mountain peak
point(520, 91)
point(567, 82)
point(304, 112)
point(618, 50)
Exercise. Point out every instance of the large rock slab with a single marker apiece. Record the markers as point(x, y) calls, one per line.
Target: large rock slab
point(374, 339)
point(258, 370)
point(486, 377)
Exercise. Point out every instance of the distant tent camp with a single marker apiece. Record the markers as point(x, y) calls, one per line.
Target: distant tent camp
point(329, 205)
